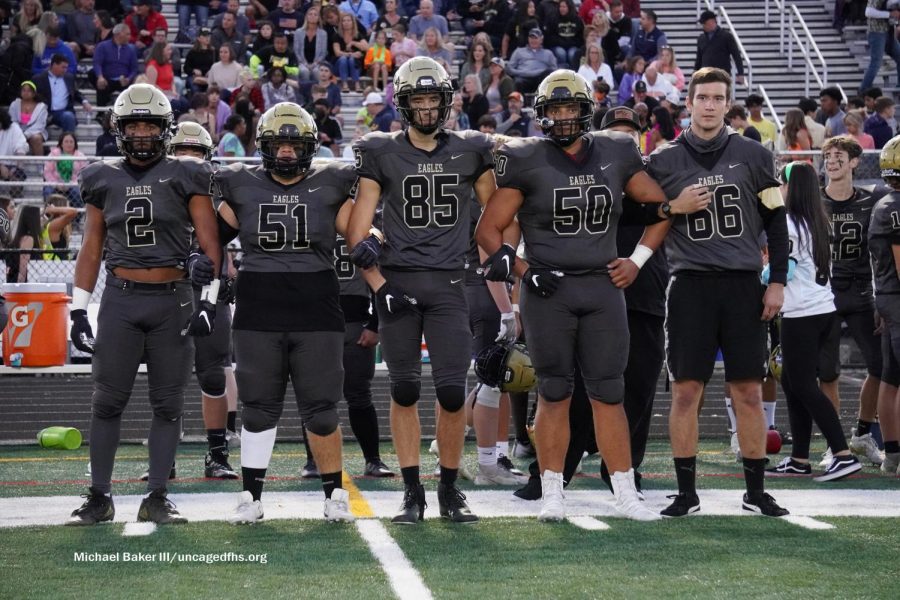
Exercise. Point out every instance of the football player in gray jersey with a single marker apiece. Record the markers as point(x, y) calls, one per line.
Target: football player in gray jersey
point(884, 244)
point(424, 177)
point(715, 299)
point(850, 209)
point(567, 191)
point(141, 212)
point(288, 320)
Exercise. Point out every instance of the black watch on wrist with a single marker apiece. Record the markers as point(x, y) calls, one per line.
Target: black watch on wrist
point(667, 209)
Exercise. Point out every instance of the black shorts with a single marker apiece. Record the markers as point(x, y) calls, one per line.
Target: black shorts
point(708, 311)
point(889, 309)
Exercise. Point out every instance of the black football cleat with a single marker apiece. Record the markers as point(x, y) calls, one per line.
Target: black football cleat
point(412, 510)
point(97, 508)
point(216, 467)
point(377, 468)
point(764, 504)
point(682, 505)
point(157, 508)
point(531, 490)
point(452, 505)
point(146, 474)
point(310, 470)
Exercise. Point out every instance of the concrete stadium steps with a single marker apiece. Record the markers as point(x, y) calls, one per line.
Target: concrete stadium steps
point(784, 86)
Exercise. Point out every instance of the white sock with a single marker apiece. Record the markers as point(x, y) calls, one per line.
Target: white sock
point(503, 448)
point(769, 408)
point(487, 456)
point(731, 418)
point(256, 448)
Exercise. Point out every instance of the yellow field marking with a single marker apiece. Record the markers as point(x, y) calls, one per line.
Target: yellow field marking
point(359, 506)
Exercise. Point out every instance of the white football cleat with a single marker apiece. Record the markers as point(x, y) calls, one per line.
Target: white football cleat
point(497, 475)
point(553, 507)
point(464, 472)
point(337, 508)
point(865, 445)
point(627, 501)
point(248, 510)
point(891, 464)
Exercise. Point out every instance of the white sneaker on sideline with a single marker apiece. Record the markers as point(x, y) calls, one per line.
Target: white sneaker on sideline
point(627, 501)
point(891, 464)
point(553, 507)
point(248, 510)
point(337, 508)
point(497, 475)
point(865, 445)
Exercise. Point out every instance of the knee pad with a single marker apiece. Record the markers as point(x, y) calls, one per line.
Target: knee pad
point(322, 423)
point(555, 389)
point(212, 381)
point(108, 405)
point(255, 419)
point(170, 409)
point(451, 397)
point(607, 391)
point(405, 393)
point(488, 396)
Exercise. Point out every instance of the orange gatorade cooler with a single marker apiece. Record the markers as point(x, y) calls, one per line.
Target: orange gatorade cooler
point(38, 313)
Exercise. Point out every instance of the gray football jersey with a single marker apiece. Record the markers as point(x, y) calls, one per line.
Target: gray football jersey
point(850, 221)
point(286, 228)
point(349, 277)
point(571, 209)
point(425, 195)
point(148, 223)
point(884, 232)
point(725, 236)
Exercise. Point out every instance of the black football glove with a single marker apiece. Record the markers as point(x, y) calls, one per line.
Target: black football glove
point(365, 254)
point(393, 300)
point(541, 281)
point(203, 321)
point(200, 269)
point(81, 333)
point(228, 290)
point(499, 266)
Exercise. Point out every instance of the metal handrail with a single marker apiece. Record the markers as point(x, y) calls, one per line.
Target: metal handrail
point(765, 96)
point(748, 65)
point(711, 4)
point(789, 32)
point(809, 63)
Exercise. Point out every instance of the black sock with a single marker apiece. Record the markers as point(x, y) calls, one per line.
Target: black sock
point(253, 481)
point(863, 427)
point(232, 420)
point(892, 447)
point(217, 443)
point(754, 475)
point(686, 474)
point(448, 475)
point(410, 475)
point(330, 481)
point(364, 423)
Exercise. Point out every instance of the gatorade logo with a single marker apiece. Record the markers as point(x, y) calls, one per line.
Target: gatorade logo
point(23, 318)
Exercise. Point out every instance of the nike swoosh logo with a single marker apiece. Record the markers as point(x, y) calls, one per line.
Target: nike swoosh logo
point(311, 190)
point(387, 301)
point(455, 281)
point(605, 167)
point(185, 304)
point(734, 165)
point(455, 156)
point(165, 180)
point(867, 208)
point(534, 279)
point(206, 318)
point(506, 260)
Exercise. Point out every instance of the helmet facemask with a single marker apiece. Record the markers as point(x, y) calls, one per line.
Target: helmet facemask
point(305, 149)
point(425, 120)
point(141, 148)
point(564, 131)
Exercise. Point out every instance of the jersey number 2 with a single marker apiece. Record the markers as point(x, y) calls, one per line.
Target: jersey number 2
point(139, 218)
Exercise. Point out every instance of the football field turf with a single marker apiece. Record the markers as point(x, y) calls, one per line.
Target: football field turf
point(847, 543)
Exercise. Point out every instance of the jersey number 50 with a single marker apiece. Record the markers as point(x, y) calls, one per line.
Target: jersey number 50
point(723, 217)
point(427, 200)
point(573, 209)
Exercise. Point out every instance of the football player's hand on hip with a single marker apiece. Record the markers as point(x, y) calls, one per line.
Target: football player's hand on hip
point(393, 300)
point(81, 333)
point(622, 272)
point(542, 282)
point(499, 266)
point(202, 323)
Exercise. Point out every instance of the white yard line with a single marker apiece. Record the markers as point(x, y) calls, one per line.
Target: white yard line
point(136, 529)
point(404, 579)
point(589, 523)
point(55, 510)
point(808, 522)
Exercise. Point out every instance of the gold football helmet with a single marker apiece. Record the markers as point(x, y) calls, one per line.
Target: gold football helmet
point(505, 366)
point(287, 123)
point(193, 136)
point(564, 87)
point(889, 161)
point(423, 75)
point(142, 102)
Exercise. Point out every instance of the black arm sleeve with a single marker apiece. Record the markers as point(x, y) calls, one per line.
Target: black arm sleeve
point(226, 231)
point(775, 223)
